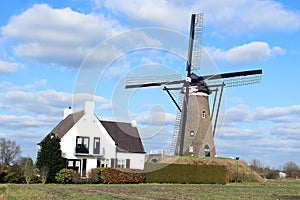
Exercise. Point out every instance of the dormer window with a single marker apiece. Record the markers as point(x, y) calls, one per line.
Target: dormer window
point(203, 114)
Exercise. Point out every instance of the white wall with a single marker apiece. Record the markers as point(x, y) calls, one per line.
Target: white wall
point(137, 160)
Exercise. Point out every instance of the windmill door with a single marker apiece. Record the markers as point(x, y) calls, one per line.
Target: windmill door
point(207, 151)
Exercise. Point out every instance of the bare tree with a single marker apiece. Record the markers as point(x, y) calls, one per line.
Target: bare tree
point(9, 152)
point(291, 169)
point(256, 166)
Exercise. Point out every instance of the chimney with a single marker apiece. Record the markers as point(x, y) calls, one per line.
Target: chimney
point(133, 123)
point(67, 112)
point(89, 107)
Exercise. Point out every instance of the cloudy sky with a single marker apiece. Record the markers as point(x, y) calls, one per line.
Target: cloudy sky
point(56, 54)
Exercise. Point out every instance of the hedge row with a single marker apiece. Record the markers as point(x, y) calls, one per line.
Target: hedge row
point(180, 173)
point(116, 176)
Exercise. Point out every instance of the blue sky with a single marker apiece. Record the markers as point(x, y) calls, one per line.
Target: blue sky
point(56, 54)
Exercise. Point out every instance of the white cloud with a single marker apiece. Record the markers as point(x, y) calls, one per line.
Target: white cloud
point(236, 114)
point(66, 37)
point(244, 54)
point(278, 50)
point(242, 134)
point(155, 118)
point(25, 121)
point(241, 113)
point(247, 53)
point(286, 130)
point(278, 114)
point(9, 67)
point(44, 102)
point(151, 13)
point(59, 36)
point(231, 16)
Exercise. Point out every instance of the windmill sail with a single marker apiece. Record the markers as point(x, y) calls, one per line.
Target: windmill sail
point(233, 79)
point(197, 42)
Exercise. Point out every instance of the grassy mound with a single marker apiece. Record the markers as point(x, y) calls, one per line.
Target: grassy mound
point(245, 174)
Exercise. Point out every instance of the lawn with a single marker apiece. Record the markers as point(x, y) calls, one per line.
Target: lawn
point(258, 190)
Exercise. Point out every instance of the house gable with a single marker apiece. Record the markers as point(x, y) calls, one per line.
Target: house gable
point(125, 136)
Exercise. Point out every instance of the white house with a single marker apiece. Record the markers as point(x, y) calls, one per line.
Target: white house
point(87, 142)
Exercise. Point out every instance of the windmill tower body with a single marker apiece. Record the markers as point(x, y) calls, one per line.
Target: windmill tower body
point(198, 135)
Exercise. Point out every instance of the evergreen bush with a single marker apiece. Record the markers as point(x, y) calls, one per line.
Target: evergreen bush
point(50, 157)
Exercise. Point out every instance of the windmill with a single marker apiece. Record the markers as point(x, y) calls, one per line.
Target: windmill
point(194, 129)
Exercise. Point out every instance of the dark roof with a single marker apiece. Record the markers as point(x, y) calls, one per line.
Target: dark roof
point(66, 124)
point(126, 136)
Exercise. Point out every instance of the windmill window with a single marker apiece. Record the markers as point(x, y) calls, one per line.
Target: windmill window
point(192, 134)
point(203, 114)
point(191, 149)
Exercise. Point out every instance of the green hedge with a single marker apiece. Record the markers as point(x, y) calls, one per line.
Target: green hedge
point(180, 173)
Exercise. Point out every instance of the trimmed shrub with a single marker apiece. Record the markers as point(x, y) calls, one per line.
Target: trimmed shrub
point(93, 176)
point(64, 176)
point(117, 176)
point(14, 177)
point(180, 173)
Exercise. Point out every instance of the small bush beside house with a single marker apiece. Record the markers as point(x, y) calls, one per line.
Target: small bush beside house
point(64, 176)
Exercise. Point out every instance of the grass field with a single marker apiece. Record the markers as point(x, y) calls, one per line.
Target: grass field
point(259, 190)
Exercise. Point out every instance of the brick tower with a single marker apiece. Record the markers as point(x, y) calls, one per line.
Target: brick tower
point(198, 138)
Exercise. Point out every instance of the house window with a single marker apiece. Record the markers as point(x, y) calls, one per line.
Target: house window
point(203, 114)
point(96, 145)
point(192, 134)
point(70, 163)
point(74, 164)
point(191, 149)
point(107, 163)
point(98, 163)
point(127, 163)
point(82, 144)
point(121, 163)
point(103, 162)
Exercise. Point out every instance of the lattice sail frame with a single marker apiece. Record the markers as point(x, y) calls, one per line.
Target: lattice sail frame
point(235, 81)
point(135, 82)
point(197, 43)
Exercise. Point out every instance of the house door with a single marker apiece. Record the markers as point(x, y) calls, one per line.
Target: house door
point(84, 167)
